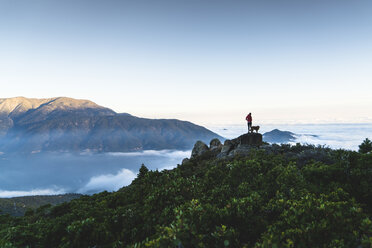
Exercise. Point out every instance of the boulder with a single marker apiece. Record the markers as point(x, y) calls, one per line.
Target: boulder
point(199, 148)
point(241, 150)
point(215, 144)
point(241, 145)
point(227, 146)
point(250, 139)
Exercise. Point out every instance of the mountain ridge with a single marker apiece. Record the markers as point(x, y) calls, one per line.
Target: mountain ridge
point(279, 136)
point(67, 124)
point(18, 105)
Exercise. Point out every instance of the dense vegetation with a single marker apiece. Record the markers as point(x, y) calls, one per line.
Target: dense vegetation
point(277, 196)
point(17, 206)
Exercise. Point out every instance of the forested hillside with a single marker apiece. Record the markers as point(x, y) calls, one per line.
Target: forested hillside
point(276, 196)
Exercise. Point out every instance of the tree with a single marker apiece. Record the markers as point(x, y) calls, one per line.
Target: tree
point(366, 146)
point(142, 171)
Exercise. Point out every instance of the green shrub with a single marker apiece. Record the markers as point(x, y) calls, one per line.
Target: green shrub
point(366, 146)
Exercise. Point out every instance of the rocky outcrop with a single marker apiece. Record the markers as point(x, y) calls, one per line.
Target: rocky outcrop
point(227, 147)
point(241, 145)
point(250, 139)
point(199, 149)
point(215, 144)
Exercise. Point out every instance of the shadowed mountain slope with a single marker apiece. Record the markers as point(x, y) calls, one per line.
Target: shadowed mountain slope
point(66, 124)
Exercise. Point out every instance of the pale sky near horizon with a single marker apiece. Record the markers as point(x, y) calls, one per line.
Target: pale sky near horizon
point(210, 62)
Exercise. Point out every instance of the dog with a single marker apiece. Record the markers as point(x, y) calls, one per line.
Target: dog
point(255, 128)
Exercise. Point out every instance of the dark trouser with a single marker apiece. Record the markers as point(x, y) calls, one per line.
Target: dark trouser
point(249, 126)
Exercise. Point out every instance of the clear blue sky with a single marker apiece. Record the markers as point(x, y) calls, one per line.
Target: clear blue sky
point(204, 61)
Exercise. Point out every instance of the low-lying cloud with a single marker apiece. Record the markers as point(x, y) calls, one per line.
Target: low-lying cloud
point(16, 193)
point(345, 136)
point(350, 142)
point(109, 182)
point(87, 173)
point(163, 153)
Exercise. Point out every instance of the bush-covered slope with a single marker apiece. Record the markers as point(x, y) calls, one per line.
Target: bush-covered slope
point(280, 196)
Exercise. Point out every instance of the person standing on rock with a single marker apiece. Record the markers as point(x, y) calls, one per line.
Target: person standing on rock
point(249, 121)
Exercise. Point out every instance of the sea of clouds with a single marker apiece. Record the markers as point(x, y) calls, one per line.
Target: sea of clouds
point(86, 173)
point(89, 173)
point(337, 136)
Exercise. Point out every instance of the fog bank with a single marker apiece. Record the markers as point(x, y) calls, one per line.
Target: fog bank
point(56, 173)
point(337, 136)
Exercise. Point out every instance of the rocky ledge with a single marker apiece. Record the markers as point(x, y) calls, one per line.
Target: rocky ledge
point(230, 148)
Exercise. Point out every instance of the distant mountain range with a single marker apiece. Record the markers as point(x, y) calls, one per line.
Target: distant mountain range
point(66, 124)
point(278, 136)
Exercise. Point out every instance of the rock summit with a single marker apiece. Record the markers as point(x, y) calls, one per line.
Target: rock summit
point(240, 145)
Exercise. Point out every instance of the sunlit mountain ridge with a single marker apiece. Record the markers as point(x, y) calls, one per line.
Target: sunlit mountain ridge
point(67, 124)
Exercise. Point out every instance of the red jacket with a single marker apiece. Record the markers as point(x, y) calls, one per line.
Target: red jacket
point(249, 118)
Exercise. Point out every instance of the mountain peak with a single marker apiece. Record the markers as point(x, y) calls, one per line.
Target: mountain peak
point(278, 136)
point(74, 103)
point(68, 124)
point(18, 105)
